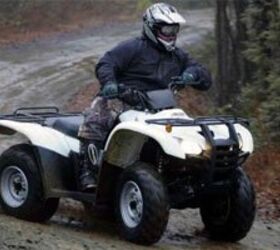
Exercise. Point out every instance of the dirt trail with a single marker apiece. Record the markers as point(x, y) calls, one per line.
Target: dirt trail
point(71, 228)
point(50, 72)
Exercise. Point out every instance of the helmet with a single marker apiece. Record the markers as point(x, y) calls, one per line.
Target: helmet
point(162, 24)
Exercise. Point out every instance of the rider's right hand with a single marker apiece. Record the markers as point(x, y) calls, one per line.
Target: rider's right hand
point(110, 89)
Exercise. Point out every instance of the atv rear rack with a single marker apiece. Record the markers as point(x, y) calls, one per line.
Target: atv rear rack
point(36, 114)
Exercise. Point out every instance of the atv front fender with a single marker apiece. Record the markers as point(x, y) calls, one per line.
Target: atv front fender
point(125, 143)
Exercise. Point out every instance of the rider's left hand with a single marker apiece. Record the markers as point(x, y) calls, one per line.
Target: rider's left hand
point(187, 78)
point(183, 80)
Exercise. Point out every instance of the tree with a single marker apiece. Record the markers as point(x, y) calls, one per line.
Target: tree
point(248, 42)
point(261, 96)
point(233, 68)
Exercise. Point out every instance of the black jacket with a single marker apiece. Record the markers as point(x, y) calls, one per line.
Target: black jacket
point(141, 64)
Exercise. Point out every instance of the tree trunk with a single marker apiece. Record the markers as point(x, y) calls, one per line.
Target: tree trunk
point(222, 50)
point(245, 68)
point(231, 34)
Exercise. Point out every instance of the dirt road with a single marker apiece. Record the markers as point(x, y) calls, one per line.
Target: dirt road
point(49, 72)
point(72, 229)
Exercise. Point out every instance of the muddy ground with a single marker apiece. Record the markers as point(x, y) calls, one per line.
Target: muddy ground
point(50, 71)
point(74, 229)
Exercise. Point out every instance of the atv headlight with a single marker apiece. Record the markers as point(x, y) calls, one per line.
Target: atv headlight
point(191, 148)
point(245, 138)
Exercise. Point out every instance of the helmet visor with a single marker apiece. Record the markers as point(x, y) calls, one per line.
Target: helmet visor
point(170, 30)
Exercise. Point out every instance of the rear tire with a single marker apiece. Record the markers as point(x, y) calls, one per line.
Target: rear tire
point(230, 217)
point(142, 206)
point(21, 189)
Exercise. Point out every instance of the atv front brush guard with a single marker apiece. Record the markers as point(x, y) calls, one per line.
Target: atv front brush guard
point(225, 154)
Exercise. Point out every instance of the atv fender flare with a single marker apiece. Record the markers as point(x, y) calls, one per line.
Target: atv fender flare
point(125, 143)
point(41, 136)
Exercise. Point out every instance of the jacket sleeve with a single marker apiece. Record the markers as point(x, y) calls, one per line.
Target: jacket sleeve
point(199, 72)
point(115, 61)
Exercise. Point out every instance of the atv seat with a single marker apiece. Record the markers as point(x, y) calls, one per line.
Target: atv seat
point(68, 125)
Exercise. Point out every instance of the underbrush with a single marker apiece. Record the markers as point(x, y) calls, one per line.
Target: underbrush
point(263, 167)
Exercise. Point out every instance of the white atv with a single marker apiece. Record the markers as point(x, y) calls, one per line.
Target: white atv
point(156, 158)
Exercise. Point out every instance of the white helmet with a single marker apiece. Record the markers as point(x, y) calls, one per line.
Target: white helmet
point(161, 24)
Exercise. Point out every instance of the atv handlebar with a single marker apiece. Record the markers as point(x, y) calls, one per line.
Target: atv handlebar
point(135, 97)
point(175, 85)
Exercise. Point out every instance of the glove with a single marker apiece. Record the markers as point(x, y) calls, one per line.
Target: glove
point(187, 77)
point(110, 89)
point(183, 80)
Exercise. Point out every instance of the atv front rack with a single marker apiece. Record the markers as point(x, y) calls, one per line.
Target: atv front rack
point(225, 153)
point(203, 120)
point(204, 123)
point(36, 114)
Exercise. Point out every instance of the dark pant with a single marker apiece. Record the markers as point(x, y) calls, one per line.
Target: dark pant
point(100, 119)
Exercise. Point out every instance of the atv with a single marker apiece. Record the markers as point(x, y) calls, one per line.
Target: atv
point(155, 159)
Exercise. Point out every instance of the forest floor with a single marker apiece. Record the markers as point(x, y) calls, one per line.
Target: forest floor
point(61, 65)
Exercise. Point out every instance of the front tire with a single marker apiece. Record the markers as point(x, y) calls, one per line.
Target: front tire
point(21, 190)
point(230, 217)
point(142, 206)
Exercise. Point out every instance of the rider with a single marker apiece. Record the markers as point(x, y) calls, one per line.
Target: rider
point(146, 63)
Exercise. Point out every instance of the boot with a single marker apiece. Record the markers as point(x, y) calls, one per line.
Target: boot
point(89, 165)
